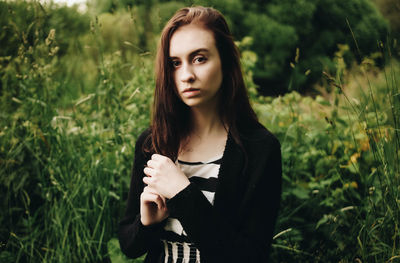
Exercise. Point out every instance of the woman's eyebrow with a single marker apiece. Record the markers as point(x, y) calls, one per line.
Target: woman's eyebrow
point(193, 53)
point(198, 51)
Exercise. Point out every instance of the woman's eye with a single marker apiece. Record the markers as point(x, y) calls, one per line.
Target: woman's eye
point(175, 63)
point(199, 59)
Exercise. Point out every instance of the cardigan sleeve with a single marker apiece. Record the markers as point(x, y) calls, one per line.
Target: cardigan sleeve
point(136, 239)
point(216, 236)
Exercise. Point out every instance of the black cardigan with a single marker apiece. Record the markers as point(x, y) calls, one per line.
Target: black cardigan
point(240, 225)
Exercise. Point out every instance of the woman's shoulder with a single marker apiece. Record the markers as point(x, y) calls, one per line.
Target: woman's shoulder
point(143, 136)
point(259, 134)
point(142, 141)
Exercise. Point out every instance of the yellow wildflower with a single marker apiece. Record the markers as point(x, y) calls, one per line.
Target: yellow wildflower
point(354, 184)
point(354, 157)
point(364, 145)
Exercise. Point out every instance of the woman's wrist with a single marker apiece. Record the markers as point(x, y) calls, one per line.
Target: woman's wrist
point(179, 187)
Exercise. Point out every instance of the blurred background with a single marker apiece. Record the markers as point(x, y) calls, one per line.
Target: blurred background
point(76, 89)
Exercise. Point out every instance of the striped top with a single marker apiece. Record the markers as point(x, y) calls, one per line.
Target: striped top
point(177, 246)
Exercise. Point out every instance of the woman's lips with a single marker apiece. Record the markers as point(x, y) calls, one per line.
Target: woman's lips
point(191, 92)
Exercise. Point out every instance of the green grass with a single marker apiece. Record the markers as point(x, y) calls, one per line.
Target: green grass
point(69, 119)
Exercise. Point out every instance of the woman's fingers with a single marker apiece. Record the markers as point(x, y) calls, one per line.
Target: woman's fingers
point(150, 189)
point(147, 180)
point(152, 164)
point(162, 174)
point(149, 197)
point(158, 161)
point(149, 171)
point(158, 157)
point(151, 180)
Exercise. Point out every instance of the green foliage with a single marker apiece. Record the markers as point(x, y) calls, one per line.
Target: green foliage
point(274, 42)
point(341, 169)
point(73, 102)
point(65, 162)
point(279, 28)
point(319, 177)
point(161, 13)
point(16, 15)
point(390, 9)
point(320, 26)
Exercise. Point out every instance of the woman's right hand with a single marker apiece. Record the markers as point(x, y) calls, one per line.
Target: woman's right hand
point(153, 208)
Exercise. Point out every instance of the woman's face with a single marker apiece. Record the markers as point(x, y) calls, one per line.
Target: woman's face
point(197, 65)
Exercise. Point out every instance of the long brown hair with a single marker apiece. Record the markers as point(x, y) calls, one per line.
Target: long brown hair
point(170, 116)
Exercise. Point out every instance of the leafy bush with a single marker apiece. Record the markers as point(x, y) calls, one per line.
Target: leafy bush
point(341, 169)
point(279, 28)
point(312, 27)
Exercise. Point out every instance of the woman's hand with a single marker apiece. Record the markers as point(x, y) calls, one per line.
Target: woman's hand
point(164, 176)
point(152, 207)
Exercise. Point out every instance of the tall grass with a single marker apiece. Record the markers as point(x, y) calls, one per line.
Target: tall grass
point(70, 114)
point(379, 113)
point(340, 200)
point(65, 163)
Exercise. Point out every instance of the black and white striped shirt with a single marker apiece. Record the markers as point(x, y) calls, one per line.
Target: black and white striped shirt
point(177, 246)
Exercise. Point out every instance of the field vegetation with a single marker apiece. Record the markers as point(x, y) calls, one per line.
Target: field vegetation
point(76, 90)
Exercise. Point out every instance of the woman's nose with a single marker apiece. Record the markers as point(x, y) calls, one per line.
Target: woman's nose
point(187, 74)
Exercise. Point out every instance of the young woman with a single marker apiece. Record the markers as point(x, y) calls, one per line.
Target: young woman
point(206, 179)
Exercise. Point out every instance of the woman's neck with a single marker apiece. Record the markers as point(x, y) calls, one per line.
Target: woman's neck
point(207, 137)
point(206, 122)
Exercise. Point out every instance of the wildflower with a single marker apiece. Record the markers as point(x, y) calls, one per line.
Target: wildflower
point(371, 190)
point(354, 185)
point(354, 157)
point(364, 145)
point(51, 37)
point(53, 51)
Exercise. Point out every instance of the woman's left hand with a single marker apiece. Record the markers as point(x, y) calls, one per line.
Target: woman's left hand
point(164, 176)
